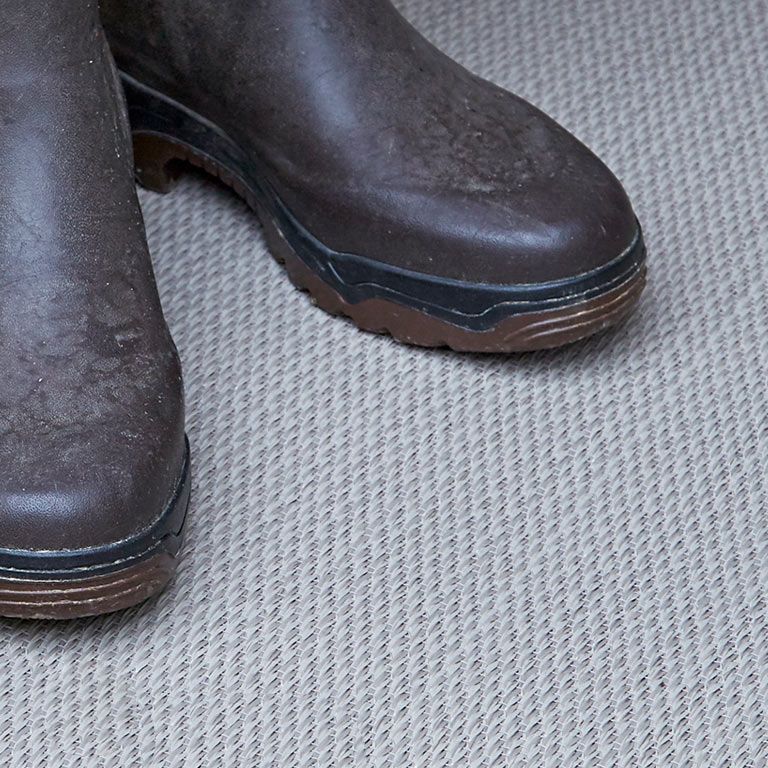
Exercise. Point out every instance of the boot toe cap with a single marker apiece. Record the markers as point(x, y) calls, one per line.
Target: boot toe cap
point(65, 493)
point(78, 513)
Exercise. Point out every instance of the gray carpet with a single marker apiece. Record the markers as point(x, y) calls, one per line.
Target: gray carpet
point(410, 558)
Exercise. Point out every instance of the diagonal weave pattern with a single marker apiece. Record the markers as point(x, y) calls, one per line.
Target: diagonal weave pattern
point(410, 558)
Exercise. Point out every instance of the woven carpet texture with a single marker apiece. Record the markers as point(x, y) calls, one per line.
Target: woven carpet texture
point(399, 557)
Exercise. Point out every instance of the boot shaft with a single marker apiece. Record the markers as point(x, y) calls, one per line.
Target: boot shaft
point(47, 33)
point(166, 40)
point(64, 126)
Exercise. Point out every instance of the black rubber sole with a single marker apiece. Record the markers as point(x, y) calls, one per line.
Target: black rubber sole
point(165, 131)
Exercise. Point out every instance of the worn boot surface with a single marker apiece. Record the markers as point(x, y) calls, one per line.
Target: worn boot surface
point(94, 480)
point(398, 188)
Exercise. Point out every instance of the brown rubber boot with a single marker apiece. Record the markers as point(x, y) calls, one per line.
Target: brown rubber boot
point(398, 188)
point(95, 475)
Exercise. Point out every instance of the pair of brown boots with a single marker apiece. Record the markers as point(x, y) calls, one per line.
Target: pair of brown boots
point(398, 189)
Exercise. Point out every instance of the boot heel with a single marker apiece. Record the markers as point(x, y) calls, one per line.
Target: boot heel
point(158, 162)
point(168, 136)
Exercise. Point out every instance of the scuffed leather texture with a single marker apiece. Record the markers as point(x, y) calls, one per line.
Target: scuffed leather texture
point(91, 405)
point(381, 145)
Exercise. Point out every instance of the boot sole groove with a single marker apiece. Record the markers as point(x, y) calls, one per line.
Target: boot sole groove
point(71, 599)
